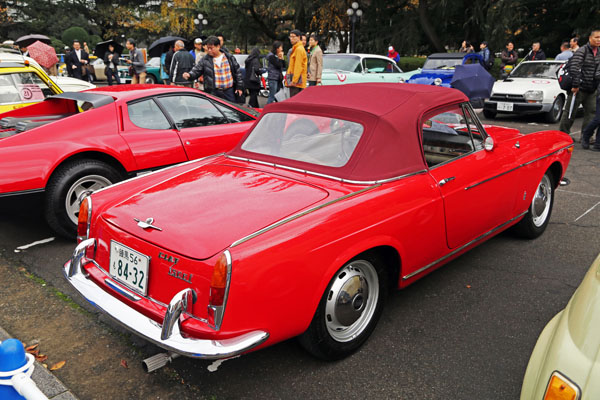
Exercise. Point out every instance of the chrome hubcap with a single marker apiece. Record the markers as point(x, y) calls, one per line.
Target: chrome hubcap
point(87, 184)
point(540, 206)
point(351, 301)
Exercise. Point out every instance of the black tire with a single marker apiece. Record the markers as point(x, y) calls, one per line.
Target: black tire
point(536, 220)
point(150, 79)
point(343, 322)
point(489, 114)
point(556, 111)
point(300, 128)
point(69, 180)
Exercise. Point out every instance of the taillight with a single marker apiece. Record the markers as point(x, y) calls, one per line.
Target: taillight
point(219, 288)
point(83, 222)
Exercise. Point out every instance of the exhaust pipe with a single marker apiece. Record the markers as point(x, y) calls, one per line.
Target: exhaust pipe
point(158, 361)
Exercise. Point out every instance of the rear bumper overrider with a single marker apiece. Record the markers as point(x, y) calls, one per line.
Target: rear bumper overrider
point(166, 335)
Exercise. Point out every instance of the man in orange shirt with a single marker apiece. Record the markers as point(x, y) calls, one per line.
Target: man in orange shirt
point(295, 78)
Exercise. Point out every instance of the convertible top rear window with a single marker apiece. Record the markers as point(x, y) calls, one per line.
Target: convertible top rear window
point(308, 138)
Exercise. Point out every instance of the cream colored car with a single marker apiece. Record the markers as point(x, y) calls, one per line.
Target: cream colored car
point(565, 363)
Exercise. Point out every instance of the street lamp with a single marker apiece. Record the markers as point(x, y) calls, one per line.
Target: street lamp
point(199, 22)
point(354, 13)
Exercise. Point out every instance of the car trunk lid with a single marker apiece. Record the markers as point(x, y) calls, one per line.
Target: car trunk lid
point(206, 209)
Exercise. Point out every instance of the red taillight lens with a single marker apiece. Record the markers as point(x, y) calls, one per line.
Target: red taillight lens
point(218, 283)
point(83, 223)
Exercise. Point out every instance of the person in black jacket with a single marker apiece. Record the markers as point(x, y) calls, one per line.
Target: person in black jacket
point(76, 60)
point(536, 53)
point(275, 70)
point(584, 72)
point(111, 60)
point(182, 62)
point(253, 74)
point(221, 72)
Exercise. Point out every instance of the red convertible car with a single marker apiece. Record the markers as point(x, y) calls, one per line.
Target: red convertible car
point(333, 198)
point(74, 143)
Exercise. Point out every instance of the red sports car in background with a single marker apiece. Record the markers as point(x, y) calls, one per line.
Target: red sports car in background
point(75, 143)
point(334, 197)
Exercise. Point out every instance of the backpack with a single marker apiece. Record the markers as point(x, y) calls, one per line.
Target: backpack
point(490, 62)
point(565, 80)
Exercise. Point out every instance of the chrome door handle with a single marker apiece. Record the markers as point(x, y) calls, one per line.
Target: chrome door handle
point(446, 180)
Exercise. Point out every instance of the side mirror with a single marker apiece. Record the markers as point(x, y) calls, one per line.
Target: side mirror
point(488, 143)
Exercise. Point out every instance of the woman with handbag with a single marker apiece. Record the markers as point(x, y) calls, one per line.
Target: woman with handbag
point(252, 78)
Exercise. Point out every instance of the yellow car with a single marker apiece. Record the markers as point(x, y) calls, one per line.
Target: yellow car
point(23, 82)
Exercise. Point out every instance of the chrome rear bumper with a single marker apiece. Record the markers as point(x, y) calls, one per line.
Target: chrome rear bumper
point(147, 327)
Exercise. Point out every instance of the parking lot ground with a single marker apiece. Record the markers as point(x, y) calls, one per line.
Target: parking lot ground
point(463, 332)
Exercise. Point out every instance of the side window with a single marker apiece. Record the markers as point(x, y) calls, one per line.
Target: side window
point(146, 114)
point(24, 87)
point(446, 135)
point(233, 115)
point(379, 66)
point(192, 111)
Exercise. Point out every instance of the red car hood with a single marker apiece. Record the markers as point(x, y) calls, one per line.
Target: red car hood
point(206, 209)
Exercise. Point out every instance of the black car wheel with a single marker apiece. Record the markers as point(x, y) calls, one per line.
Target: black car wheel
point(489, 114)
point(556, 111)
point(348, 311)
point(67, 186)
point(536, 220)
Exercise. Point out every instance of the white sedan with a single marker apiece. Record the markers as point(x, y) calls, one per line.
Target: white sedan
point(531, 88)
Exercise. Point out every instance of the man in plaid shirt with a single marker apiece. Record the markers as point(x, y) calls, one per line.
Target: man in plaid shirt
point(221, 72)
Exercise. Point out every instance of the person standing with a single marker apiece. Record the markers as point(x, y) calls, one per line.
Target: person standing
point(485, 54)
point(222, 41)
point(315, 61)
point(136, 60)
point(393, 54)
point(565, 52)
point(197, 51)
point(78, 58)
point(574, 43)
point(295, 77)
point(275, 70)
point(252, 78)
point(509, 58)
point(584, 72)
point(111, 60)
point(536, 53)
point(466, 47)
point(182, 62)
point(221, 72)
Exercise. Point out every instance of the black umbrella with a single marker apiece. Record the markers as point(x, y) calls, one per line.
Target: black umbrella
point(25, 41)
point(102, 47)
point(162, 45)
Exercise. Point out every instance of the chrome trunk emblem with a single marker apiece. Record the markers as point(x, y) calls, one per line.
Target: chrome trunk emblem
point(147, 224)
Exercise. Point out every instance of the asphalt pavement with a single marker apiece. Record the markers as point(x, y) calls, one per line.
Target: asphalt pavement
point(464, 332)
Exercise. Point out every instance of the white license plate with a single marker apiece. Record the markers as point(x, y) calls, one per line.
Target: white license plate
point(129, 267)
point(502, 106)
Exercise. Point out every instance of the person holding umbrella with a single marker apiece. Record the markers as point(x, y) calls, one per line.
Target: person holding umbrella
point(136, 60)
point(111, 60)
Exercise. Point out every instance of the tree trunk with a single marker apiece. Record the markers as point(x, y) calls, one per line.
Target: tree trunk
point(428, 28)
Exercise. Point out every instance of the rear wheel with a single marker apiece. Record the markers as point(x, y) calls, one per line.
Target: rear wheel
point(489, 114)
point(67, 186)
point(150, 79)
point(536, 220)
point(348, 311)
point(556, 111)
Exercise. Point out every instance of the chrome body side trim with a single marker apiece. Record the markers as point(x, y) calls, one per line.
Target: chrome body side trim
point(219, 311)
point(22, 192)
point(417, 272)
point(335, 178)
point(151, 330)
point(301, 214)
point(517, 167)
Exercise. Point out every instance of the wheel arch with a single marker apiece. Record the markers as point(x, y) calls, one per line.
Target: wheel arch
point(89, 155)
point(556, 169)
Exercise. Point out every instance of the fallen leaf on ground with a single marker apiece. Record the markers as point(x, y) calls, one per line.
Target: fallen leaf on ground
point(45, 366)
point(58, 365)
point(34, 352)
point(468, 286)
point(124, 364)
point(41, 357)
point(32, 347)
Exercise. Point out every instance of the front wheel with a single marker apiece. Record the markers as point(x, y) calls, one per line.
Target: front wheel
point(67, 186)
point(536, 220)
point(348, 311)
point(150, 79)
point(556, 111)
